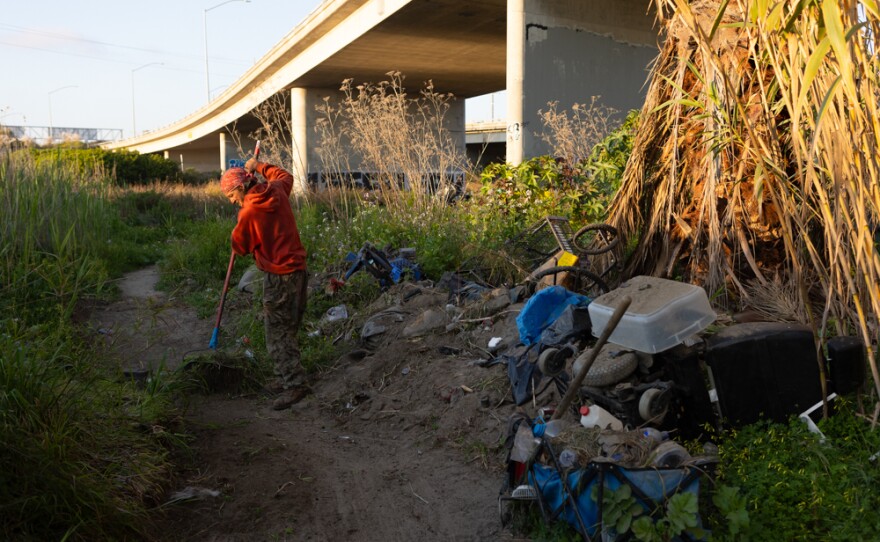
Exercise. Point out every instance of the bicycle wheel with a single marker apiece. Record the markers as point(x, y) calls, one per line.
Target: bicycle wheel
point(595, 239)
point(577, 280)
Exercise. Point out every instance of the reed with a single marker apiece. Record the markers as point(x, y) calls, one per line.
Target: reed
point(56, 222)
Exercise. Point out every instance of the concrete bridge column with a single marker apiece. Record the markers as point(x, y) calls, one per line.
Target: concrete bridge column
point(571, 51)
point(299, 138)
point(222, 151)
point(516, 49)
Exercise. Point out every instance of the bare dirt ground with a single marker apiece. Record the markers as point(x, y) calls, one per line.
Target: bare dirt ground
point(401, 440)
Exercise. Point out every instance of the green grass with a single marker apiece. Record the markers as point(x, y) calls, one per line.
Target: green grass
point(84, 453)
point(55, 225)
point(82, 456)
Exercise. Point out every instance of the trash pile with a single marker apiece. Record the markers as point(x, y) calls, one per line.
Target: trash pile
point(566, 464)
point(613, 395)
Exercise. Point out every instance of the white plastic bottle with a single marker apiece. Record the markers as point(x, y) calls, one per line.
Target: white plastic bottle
point(552, 428)
point(596, 416)
point(655, 435)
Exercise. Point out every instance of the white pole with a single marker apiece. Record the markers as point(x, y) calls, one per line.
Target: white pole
point(299, 137)
point(516, 49)
point(205, 28)
point(51, 92)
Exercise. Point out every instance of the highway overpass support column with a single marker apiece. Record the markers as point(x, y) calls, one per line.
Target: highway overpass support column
point(516, 42)
point(569, 51)
point(222, 151)
point(299, 138)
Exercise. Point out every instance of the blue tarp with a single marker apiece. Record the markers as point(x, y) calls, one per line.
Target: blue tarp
point(543, 308)
point(656, 484)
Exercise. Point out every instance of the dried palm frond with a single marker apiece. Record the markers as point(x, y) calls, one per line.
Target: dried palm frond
point(757, 156)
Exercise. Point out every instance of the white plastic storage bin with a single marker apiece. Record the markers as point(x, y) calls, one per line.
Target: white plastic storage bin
point(663, 313)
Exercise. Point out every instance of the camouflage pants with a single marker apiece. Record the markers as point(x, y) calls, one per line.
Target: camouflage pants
point(284, 302)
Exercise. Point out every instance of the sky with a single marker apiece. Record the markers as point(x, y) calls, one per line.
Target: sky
point(137, 64)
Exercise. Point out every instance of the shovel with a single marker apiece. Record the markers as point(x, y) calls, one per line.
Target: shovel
point(216, 333)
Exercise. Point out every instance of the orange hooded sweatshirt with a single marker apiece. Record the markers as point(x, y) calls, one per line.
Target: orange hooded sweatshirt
point(266, 227)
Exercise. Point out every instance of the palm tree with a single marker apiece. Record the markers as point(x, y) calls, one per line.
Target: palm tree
point(755, 166)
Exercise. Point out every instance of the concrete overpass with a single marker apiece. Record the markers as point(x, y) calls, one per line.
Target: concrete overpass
point(536, 50)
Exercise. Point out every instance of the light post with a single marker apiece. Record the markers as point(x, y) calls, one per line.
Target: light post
point(51, 92)
point(133, 125)
point(205, 23)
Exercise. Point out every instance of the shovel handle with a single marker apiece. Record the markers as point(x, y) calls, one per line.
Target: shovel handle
point(213, 343)
point(216, 333)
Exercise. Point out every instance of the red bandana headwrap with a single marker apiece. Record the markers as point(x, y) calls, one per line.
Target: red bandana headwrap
point(234, 177)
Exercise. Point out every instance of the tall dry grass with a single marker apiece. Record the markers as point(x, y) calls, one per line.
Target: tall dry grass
point(572, 134)
point(273, 133)
point(757, 155)
point(404, 142)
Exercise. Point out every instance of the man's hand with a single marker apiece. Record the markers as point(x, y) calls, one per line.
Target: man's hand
point(251, 165)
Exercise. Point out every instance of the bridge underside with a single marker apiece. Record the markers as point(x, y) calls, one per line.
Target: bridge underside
point(538, 50)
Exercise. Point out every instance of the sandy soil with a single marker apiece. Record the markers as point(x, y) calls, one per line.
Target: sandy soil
point(147, 329)
point(401, 440)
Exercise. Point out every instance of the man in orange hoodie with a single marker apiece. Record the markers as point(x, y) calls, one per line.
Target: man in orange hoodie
point(267, 229)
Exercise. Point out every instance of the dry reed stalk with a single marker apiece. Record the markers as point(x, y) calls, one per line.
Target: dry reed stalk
point(402, 140)
point(273, 133)
point(757, 154)
point(572, 135)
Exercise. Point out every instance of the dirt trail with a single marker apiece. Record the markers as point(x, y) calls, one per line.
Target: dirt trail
point(147, 328)
point(397, 443)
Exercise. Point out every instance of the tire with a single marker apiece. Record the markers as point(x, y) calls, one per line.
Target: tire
point(595, 239)
point(584, 281)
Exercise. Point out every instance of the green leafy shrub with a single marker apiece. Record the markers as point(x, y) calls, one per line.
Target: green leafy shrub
point(798, 487)
point(124, 166)
point(521, 195)
point(608, 158)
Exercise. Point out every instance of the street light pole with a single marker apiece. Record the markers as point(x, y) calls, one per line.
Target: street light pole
point(205, 27)
point(51, 92)
point(133, 125)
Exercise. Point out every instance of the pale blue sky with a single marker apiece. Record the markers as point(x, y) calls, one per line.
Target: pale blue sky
point(78, 60)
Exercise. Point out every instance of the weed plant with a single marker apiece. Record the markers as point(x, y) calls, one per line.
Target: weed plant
point(572, 134)
point(404, 144)
point(799, 487)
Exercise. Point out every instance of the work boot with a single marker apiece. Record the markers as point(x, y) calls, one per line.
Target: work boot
point(290, 397)
point(274, 386)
